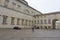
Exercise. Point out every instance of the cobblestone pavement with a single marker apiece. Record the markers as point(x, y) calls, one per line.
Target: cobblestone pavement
point(27, 34)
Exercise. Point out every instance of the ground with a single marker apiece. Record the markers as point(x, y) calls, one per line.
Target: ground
point(28, 34)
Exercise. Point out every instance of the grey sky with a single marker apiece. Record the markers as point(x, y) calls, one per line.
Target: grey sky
point(45, 6)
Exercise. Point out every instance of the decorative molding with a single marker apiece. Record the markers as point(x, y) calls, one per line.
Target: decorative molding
point(16, 10)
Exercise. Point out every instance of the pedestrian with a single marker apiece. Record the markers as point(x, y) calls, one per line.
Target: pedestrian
point(33, 29)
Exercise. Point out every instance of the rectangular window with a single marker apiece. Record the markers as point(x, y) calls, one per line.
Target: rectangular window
point(35, 21)
point(49, 21)
point(45, 21)
point(22, 21)
point(12, 20)
point(29, 22)
point(18, 21)
point(32, 23)
point(41, 22)
point(26, 22)
point(5, 19)
point(38, 21)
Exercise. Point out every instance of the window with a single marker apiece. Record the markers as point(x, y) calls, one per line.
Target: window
point(18, 21)
point(35, 21)
point(32, 23)
point(49, 21)
point(41, 22)
point(4, 19)
point(38, 21)
point(26, 22)
point(22, 21)
point(45, 21)
point(12, 20)
point(29, 22)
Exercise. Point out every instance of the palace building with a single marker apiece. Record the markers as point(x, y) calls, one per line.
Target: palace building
point(17, 13)
point(48, 20)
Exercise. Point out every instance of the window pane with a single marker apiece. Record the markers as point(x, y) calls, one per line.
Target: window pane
point(41, 22)
point(49, 21)
point(38, 21)
point(22, 21)
point(45, 21)
point(4, 19)
point(12, 20)
point(18, 21)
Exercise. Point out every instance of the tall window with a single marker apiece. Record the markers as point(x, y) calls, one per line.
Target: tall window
point(26, 22)
point(41, 22)
point(35, 21)
point(45, 21)
point(29, 22)
point(18, 21)
point(32, 23)
point(38, 21)
point(49, 21)
point(22, 21)
point(5, 19)
point(12, 20)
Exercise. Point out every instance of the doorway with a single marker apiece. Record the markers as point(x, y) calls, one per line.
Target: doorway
point(54, 23)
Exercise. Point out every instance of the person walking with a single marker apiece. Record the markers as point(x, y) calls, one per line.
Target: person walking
point(33, 29)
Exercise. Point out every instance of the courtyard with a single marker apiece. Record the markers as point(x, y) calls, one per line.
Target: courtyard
point(27, 34)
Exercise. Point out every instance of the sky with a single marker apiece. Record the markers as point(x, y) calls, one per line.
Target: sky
point(45, 6)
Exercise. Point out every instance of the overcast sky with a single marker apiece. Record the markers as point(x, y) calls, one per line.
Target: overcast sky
point(45, 6)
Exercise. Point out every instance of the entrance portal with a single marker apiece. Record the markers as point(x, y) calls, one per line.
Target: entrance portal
point(57, 24)
point(54, 23)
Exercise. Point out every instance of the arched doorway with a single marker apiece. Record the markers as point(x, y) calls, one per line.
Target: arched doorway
point(54, 23)
point(58, 24)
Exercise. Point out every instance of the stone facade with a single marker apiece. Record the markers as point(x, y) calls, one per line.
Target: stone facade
point(16, 13)
point(47, 21)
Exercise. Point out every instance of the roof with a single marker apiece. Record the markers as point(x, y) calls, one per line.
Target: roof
point(52, 13)
point(31, 7)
